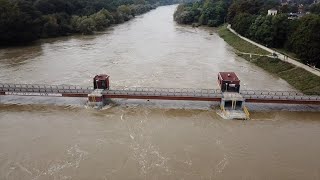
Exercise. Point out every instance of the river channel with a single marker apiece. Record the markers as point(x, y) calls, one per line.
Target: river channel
point(148, 139)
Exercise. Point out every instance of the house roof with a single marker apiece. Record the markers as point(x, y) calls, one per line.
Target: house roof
point(228, 76)
point(101, 77)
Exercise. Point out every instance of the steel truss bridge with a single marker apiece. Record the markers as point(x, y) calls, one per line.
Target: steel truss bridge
point(250, 96)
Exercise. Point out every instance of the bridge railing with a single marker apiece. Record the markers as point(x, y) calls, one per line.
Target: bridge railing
point(44, 88)
point(274, 95)
point(153, 91)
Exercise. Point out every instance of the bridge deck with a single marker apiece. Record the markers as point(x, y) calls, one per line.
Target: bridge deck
point(164, 94)
point(254, 96)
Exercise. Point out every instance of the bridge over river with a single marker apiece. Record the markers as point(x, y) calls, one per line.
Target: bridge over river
point(131, 141)
point(251, 96)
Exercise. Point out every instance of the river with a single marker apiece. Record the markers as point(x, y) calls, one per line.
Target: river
point(154, 139)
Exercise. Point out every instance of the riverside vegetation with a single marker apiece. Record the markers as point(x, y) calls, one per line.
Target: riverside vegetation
point(299, 78)
point(249, 18)
point(23, 21)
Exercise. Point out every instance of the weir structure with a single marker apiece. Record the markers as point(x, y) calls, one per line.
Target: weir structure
point(230, 101)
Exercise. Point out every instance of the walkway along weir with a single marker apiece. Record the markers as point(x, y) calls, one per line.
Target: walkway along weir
point(101, 91)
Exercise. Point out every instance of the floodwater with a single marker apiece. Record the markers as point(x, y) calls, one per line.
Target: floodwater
point(147, 140)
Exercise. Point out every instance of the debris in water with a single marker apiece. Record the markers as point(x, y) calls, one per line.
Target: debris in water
point(131, 137)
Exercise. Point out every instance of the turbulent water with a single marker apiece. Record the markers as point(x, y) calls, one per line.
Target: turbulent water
point(147, 139)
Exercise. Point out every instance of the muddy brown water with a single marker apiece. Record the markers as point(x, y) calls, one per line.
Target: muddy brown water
point(147, 140)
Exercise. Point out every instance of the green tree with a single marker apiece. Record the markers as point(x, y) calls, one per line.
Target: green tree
point(100, 20)
point(50, 27)
point(206, 12)
point(87, 25)
point(315, 8)
point(118, 17)
point(305, 41)
point(241, 23)
point(108, 15)
point(126, 12)
point(19, 22)
point(280, 30)
point(284, 9)
point(56, 25)
point(184, 14)
point(244, 6)
point(28, 20)
point(54, 6)
point(124, 9)
point(75, 23)
point(213, 13)
point(261, 30)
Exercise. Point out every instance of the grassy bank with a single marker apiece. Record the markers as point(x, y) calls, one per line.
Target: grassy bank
point(238, 43)
point(299, 78)
point(288, 53)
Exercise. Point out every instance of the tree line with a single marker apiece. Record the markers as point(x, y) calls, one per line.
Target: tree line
point(24, 21)
point(249, 18)
point(203, 12)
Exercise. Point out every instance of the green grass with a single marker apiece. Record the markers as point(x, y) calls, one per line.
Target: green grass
point(273, 65)
point(238, 43)
point(288, 53)
point(299, 78)
point(303, 80)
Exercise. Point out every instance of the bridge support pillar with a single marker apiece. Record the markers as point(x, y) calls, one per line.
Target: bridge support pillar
point(232, 106)
point(96, 99)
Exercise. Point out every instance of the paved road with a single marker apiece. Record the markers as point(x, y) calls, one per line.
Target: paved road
point(280, 56)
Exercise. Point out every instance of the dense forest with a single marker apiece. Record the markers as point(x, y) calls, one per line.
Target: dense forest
point(24, 21)
point(249, 18)
point(204, 12)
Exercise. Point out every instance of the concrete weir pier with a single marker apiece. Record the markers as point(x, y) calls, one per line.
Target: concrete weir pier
point(233, 106)
point(96, 98)
point(232, 102)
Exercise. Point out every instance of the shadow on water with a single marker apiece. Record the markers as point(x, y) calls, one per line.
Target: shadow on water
point(18, 55)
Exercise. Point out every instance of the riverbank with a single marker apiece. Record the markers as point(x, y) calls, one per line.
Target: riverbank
point(299, 78)
point(28, 22)
point(288, 53)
